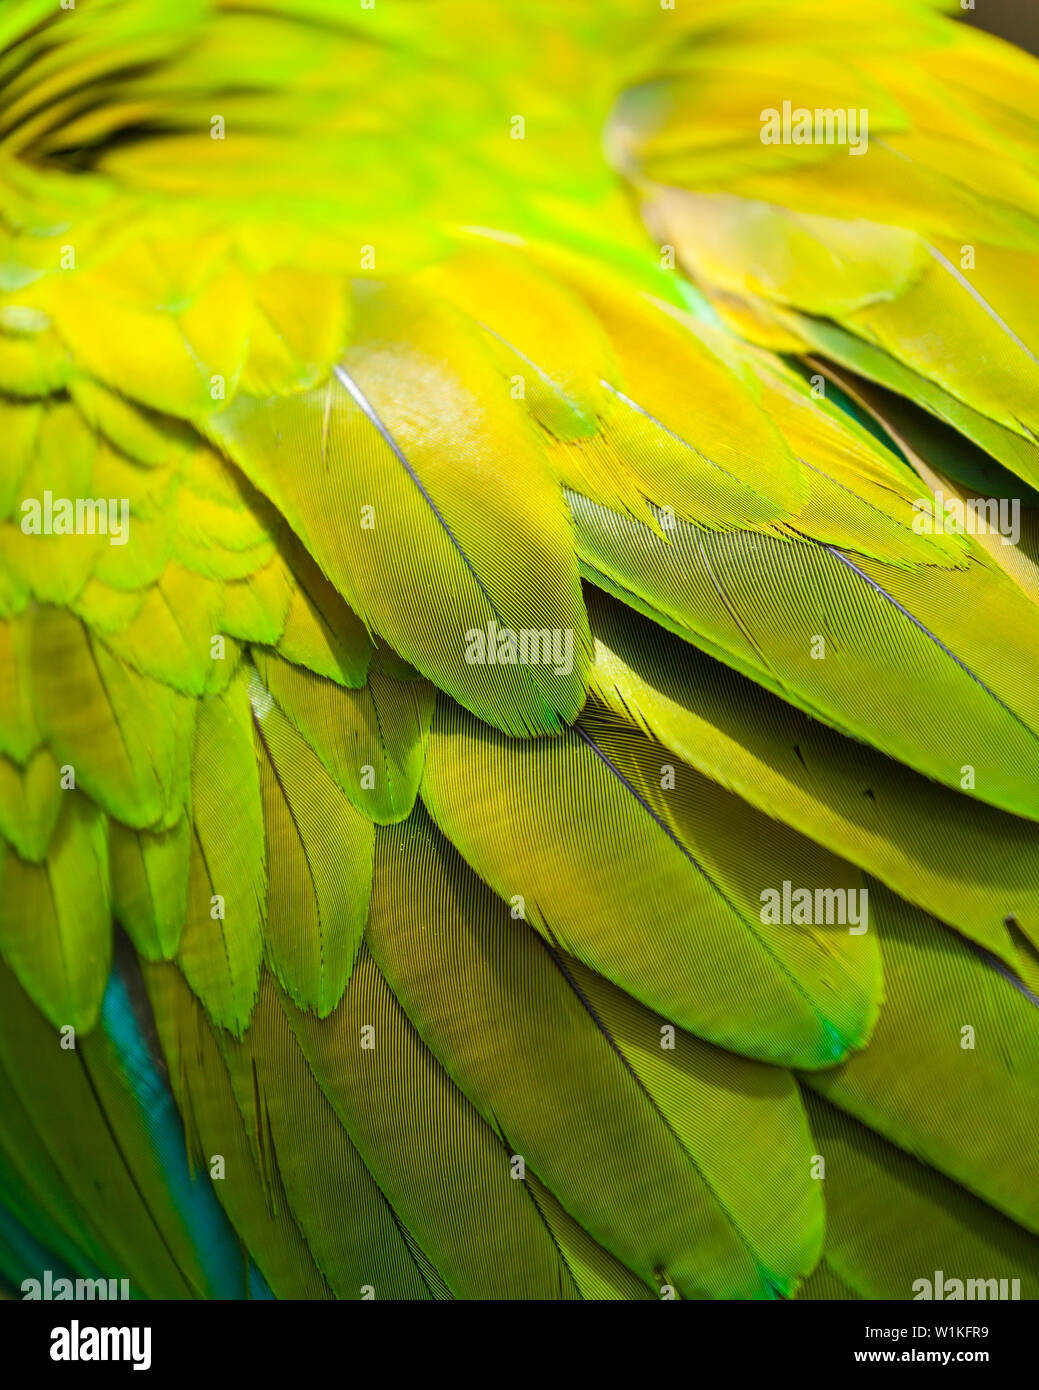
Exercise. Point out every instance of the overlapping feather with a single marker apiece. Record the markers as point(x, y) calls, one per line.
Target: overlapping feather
point(460, 968)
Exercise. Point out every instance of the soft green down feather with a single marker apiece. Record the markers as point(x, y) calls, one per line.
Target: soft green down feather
point(513, 593)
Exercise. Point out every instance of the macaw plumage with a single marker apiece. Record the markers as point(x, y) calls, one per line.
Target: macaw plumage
point(519, 742)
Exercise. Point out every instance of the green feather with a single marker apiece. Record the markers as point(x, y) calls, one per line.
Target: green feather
point(126, 736)
point(30, 800)
point(222, 943)
point(319, 853)
point(966, 862)
point(581, 836)
point(55, 917)
point(891, 1221)
point(150, 884)
point(82, 1147)
point(205, 1098)
point(416, 1132)
point(530, 1035)
point(170, 636)
point(372, 740)
point(320, 632)
point(386, 505)
point(19, 733)
point(952, 1072)
point(256, 609)
point(827, 632)
point(1019, 454)
point(352, 1232)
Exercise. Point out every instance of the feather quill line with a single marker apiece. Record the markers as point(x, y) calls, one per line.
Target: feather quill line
point(370, 412)
point(979, 299)
point(879, 588)
point(743, 920)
